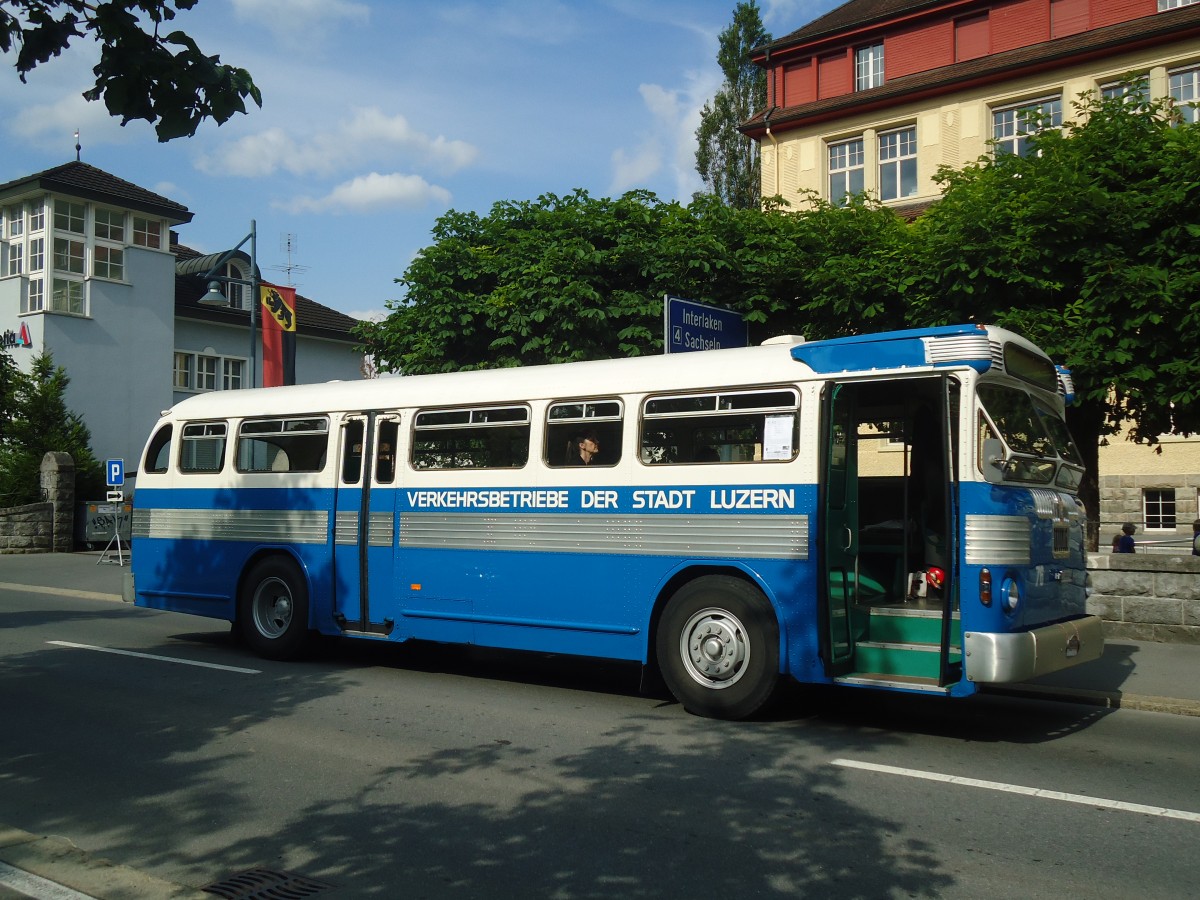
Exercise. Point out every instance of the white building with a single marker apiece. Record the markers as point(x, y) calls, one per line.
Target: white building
point(91, 272)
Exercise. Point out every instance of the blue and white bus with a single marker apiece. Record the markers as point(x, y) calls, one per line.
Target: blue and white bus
point(895, 511)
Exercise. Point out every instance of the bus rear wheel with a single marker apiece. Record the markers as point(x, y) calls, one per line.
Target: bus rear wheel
point(718, 647)
point(273, 609)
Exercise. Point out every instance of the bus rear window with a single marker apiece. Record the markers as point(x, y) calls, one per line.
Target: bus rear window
point(203, 447)
point(746, 426)
point(158, 454)
point(283, 445)
point(495, 437)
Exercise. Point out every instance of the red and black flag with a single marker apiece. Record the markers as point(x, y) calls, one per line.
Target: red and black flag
point(278, 335)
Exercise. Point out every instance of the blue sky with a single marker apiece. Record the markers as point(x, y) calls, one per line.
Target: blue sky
point(378, 117)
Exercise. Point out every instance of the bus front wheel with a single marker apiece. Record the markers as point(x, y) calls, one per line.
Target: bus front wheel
point(718, 647)
point(273, 609)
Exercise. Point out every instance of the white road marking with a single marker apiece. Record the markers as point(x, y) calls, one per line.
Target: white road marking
point(1020, 789)
point(59, 592)
point(168, 659)
point(30, 885)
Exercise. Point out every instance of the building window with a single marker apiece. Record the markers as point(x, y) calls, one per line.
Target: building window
point(14, 220)
point(231, 374)
point(36, 300)
point(868, 67)
point(898, 164)
point(182, 377)
point(1012, 125)
point(67, 296)
point(846, 170)
point(37, 254)
point(1164, 5)
point(68, 216)
point(109, 225)
point(147, 232)
point(206, 373)
point(200, 372)
point(108, 262)
point(68, 256)
point(1135, 91)
point(37, 216)
point(1158, 506)
point(16, 253)
point(1184, 87)
point(236, 293)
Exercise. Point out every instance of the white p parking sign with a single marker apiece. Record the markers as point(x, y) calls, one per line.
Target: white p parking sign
point(115, 469)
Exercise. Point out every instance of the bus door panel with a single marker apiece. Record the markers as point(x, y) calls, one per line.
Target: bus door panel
point(838, 524)
point(364, 525)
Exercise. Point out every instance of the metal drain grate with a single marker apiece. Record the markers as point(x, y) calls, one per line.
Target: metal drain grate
point(265, 884)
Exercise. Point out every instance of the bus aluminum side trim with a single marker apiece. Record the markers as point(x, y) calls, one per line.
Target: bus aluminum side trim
point(997, 540)
point(993, 658)
point(758, 537)
point(292, 526)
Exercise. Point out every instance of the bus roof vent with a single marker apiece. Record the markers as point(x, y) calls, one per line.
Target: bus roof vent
point(784, 339)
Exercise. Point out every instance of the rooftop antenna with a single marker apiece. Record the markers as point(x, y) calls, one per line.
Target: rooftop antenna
point(288, 243)
point(78, 147)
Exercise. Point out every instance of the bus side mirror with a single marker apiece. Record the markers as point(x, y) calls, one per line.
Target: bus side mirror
point(993, 458)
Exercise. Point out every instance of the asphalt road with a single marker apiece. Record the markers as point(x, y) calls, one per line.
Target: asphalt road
point(449, 772)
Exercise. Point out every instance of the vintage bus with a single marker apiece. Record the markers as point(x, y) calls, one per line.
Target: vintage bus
point(895, 511)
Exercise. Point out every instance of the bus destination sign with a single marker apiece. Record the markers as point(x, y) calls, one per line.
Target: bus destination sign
point(696, 326)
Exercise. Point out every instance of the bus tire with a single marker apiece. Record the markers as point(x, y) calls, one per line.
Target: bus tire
point(717, 647)
point(273, 609)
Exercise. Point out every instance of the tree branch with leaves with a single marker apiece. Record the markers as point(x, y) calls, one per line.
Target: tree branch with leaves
point(165, 79)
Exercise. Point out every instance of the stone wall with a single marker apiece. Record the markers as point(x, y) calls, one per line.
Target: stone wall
point(27, 529)
point(1146, 597)
point(44, 527)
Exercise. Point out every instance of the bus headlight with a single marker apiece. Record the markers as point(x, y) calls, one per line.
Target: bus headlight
point(1010, 594)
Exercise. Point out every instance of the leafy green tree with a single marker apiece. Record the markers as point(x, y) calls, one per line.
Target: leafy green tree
point(42, 423)
point(9, 378)
point(726, 159)
point(574, 277)
point(1090, 246)
point(165, 79)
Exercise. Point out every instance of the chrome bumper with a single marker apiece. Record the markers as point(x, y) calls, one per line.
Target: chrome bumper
point(1002, 658)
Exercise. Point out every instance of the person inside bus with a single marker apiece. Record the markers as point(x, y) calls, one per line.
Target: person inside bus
point(385, 469)
point(1196, 538)
point(1125, 543)
point(582, 449)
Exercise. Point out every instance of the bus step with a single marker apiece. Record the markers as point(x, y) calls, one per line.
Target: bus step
point(905, 682)
point(908, 659)
point(909, 626)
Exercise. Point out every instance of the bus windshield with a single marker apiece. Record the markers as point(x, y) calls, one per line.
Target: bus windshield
point(1038, 447)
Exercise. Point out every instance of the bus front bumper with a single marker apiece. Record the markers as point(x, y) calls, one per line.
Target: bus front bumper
point(993, 658)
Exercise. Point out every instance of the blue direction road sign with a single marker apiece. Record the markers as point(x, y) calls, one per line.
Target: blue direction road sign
point(115, 469)
point(695, 326)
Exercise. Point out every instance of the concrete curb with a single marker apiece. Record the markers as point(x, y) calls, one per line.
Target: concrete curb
point(1109, 699)
point(59, 861)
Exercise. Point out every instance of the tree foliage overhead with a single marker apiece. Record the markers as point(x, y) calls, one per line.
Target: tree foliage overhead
point(726, 159)
point(165, 79)
point(37, 421)
point(573, 277)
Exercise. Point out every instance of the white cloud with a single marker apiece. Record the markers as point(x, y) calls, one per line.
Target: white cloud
point(669, 143)
point(300, 22)
point(55, 123)
point(368, 134)
point(372, 193)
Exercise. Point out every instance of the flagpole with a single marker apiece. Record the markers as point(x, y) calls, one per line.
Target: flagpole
point(254, 300)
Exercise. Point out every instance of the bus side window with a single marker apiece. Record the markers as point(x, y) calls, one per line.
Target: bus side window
point(158, 454)
point(385, 452)
point(352, 449)
point(567, 423)
point(747, 426)
point(203, 447)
